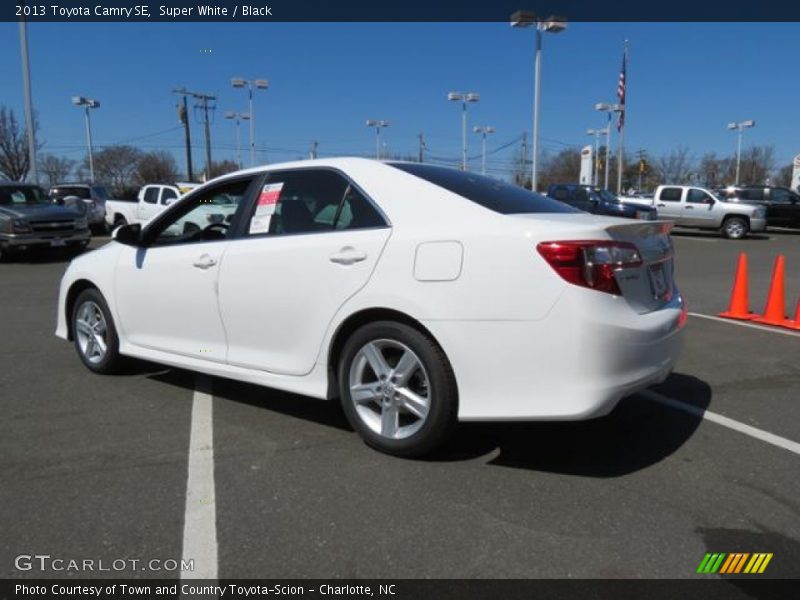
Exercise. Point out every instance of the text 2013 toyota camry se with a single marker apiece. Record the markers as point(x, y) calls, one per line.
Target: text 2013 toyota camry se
point(418, 295)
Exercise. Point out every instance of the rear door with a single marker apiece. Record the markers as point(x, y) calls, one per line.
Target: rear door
point(668, 203)
point(310, 241)
point(783, 207)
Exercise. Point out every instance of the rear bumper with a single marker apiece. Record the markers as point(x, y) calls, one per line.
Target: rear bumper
point(574, 364)
point(23, 240)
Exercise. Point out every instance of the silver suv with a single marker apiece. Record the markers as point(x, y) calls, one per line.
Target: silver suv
point(93, 196)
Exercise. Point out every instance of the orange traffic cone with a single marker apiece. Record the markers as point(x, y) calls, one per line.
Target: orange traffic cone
point(775, 311)
point(738, 307)
point(794, 323)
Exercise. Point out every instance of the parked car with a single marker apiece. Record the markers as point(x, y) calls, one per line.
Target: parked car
point(93, 196)
point(782, 204)
point(598, 201)
point(699, 208)
point(151, 200)
point(418, 295)
point(28, 219)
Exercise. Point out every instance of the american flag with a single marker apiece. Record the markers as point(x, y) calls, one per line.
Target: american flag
point(621, 93)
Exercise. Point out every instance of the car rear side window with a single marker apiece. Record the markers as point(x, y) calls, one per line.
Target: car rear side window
point(670, 194)
point(499, 196)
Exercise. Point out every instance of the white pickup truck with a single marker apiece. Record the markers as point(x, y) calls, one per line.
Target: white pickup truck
point(150, 201)
point(698, 208)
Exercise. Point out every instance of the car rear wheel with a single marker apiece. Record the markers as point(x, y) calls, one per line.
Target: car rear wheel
point(735, 228)
point(397, 388)
point(119, 221)
point(94, 333)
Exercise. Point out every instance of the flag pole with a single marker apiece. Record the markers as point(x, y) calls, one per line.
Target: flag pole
point(622, 96)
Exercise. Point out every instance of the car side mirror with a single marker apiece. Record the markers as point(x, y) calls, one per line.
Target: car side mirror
point(130, 235)
point(709, 201)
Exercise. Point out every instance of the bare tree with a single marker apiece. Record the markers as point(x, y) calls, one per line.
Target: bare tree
point(758, 163)
point(222, 167)
point(115, 166)
point(784, 176)
point(564, 167)
point(54, 168)
point(14, 158)
point(156, 167)
point(677, 166)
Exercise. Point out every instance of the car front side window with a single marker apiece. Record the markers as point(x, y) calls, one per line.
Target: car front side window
point(207, 216)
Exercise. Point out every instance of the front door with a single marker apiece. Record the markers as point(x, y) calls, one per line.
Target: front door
point(167, 290)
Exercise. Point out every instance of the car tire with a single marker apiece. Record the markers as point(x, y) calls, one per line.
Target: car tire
point(735, 228)
point(119, 221)
point(397, 389)
point(94, 333)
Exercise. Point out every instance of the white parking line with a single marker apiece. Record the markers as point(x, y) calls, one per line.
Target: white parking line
point(766, 328)
point(754, 432)
point(200, 521)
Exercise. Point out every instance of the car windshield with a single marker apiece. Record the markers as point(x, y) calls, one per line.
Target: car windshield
point(22, 195)
point(496, 195)
point(607, 196)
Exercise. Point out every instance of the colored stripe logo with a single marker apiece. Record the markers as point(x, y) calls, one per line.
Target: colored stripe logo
point(734, 563)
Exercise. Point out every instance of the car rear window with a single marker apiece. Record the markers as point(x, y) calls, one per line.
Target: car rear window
point(77, 191)
point(498, 196)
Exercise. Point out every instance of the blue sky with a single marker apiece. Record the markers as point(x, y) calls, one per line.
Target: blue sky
point(685, 83)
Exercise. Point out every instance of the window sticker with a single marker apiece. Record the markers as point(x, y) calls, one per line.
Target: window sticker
point(265, 207)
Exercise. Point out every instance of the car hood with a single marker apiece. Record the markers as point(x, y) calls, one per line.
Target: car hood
point(38, 211)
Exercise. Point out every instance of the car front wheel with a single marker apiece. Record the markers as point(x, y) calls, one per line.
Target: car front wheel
point(397, 388)
point(735, 228)
point(94, 333)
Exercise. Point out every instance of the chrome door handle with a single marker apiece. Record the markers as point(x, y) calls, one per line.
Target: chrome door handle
point(204, 262)
point(347, 256)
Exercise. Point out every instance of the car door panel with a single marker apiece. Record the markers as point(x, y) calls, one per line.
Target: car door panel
point(183, 317)
point(278, 294)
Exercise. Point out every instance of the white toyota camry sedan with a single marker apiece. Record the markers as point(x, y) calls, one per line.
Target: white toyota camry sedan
point(418, 295)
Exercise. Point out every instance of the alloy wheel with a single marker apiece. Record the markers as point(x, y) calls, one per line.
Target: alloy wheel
point(390, 389)
point(91, 331)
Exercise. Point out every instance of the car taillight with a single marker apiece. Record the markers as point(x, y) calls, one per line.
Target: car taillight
point(591, 263)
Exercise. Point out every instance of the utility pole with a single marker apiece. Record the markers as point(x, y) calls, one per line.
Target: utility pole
point(204, 100)
point(183, 118)
point(314, 146)
point(524, 155)
point(421, 147)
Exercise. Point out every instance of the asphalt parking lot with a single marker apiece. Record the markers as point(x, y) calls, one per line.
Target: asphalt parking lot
point(96, 467)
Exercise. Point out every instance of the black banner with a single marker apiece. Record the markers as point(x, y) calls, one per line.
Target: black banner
point(733, 588)
point(406, 10)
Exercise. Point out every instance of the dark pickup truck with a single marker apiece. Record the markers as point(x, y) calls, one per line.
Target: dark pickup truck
point(28, 219)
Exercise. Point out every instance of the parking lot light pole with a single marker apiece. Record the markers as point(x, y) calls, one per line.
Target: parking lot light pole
point(27, 95)
point(553, 24)
point(483, 131)
point(250, 84)
point(609, 108)
point(378, 124)
point(740, 127)
point(237, 116)
point(88, 103)
point(463, 97)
